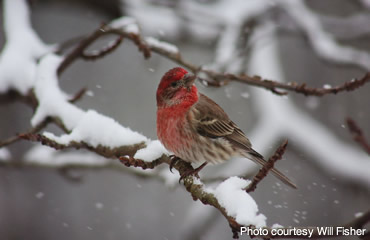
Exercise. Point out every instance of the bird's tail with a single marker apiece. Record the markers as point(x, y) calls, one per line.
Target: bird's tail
point(258, 158)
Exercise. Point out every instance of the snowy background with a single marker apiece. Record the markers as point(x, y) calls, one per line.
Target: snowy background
point(331, 171)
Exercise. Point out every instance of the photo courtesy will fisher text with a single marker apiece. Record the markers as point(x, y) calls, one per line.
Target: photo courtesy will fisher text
point(304, 232)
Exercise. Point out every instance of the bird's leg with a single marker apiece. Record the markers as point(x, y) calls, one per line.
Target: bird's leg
point(193, 172)
point(174, 159)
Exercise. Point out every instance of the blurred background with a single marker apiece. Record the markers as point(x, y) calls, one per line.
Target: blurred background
point(38, 203)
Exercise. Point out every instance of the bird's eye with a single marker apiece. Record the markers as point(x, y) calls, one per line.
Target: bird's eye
point(175, 84)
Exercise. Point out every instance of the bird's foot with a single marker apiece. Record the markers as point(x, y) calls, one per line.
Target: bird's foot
point(192, 172)
point(174, 160)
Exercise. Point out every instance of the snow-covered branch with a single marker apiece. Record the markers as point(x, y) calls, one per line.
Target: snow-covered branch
point(230, 197)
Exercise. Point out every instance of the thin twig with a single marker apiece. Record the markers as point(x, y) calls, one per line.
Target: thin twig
point(78, 51)
point(103, 52)
point(262, 173)
point(357, 135)
point(32, 130)
point(294, 87)
point(78, 95)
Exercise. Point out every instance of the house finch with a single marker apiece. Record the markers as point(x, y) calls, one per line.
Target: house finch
point(196, 129)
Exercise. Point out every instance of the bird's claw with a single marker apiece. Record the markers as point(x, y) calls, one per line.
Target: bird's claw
point(174, 159)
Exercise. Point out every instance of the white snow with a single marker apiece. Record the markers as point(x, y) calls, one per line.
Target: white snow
point(152, 18)
point(245, 95)
point(222, 20)
point(152, 151)
point(153, 42)
point(238, 203)
point(127, 24)
point(39, 195)
point(46, 156)
point(366, 3)
point(322, 42)
point(359, 214)
point(96, 129)
point(276, 225)
point(90, 127)
point(22, 49)
point(99, 205)
point(90, 93)
point(52, 100)
point(4, 154)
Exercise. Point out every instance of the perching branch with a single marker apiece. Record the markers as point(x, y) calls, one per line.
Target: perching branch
point(130, 161)
point(357, 134)
point(194, 187)
point(125, 155)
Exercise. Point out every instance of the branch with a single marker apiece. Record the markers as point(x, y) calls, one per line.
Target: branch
point(12, 95)
point(32, 101)
point(267, 167)
point(130, 161)
point(358, 135)
point(32, 130)
point(213, 78)
point(220, 79)
point(103, 52)
point(78, 51)
point(194, 186)
point(78, 95)
point(104, 151)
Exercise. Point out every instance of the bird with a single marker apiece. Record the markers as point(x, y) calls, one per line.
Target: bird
point(196, 129)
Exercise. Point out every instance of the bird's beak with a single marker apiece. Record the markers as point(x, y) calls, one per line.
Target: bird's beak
point(189, 79)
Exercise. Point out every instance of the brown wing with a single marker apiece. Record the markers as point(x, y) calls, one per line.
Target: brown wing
point(211, 121)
